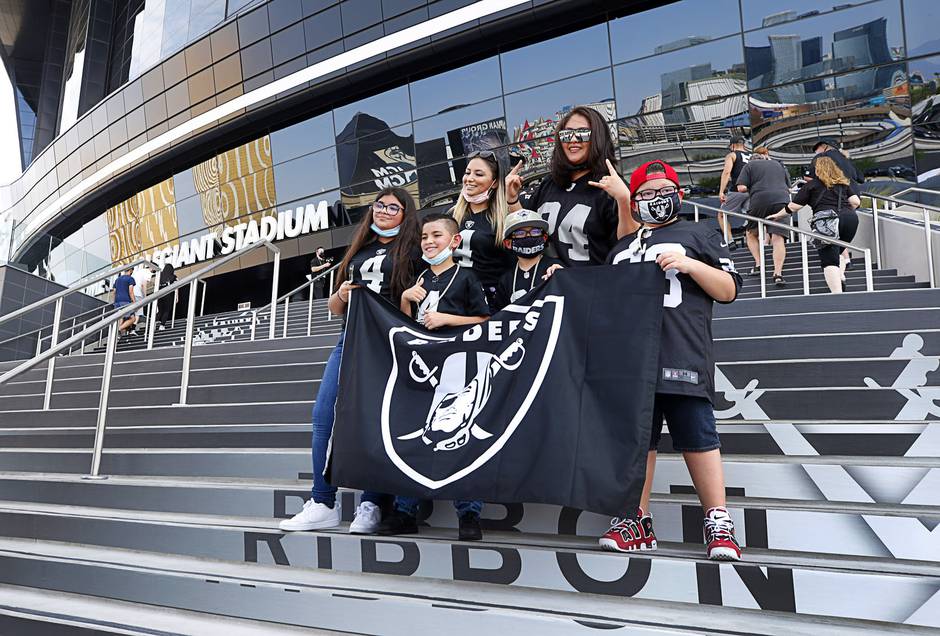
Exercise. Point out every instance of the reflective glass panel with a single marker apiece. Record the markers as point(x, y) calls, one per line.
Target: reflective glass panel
point(921, 18)
point(674, 26)
point(378, 161)
point(687, 75)
point(310, 174)
point(465, 85)
point(767, 13)
point(368, 115)
point(455, 133)
point(302, 138)
point(830, 43)
point(553, 59)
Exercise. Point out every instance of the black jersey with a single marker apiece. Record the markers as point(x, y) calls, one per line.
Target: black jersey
point(582, 220)
point(455, 291)
point(740, 160)
point(372, 267)
point(685, 354)
point(478, 249)
point(515, 283)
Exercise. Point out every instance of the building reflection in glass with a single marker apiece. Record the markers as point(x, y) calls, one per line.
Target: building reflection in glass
point(925, 115)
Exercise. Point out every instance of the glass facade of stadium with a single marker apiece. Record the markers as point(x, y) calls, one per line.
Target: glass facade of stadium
point(675, 82)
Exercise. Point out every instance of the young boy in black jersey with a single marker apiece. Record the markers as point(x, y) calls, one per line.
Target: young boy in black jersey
point(446, 295)
point(526, 236)
point(699, 272)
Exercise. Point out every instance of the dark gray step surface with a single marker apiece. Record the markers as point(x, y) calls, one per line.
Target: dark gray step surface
point(859, 323)
point(793, 291)
point(848, 372)
point(835, 345)
point(890, 299)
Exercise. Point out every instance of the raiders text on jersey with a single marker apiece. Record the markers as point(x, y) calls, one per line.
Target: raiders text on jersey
point(582, 220)
point(685, 354)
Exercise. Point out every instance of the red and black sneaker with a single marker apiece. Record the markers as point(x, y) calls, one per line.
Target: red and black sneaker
point(719, 536)
point(627, 535)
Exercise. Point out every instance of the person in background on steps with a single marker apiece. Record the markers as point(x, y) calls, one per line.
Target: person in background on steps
point(165, 304)
point(699, 272)
point(445, 295)
point(767, 183)
point(318, 264)
point(124, 296)
point(732, 200)
point(526, 235)
point(828, 147)
point(380, 257)
point(480, 213)
point(582, 217)
point(830, 190)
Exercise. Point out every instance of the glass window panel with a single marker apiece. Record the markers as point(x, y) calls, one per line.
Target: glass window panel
point(921, 18)
point(97, 255)
point(310, 174)
point(767, 13)
point(204, 15)
point(302, 138)
point(868, 110)
point(189, 215)
point(533, 113)
point(439, 183)
point(175, 26)
point(687, 75)
point(830, 43)
point(458, 132)
point(384, 110)
point(466, 85)
point(651, 32)
point(371, 163)
point(559, 57)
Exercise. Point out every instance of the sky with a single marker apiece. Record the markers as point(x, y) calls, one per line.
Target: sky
point(9, 138)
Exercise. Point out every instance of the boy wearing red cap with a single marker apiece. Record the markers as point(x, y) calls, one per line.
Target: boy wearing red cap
point(699, 272)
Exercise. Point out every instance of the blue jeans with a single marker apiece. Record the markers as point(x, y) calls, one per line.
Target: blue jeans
point(323, 415)
point(409, 506)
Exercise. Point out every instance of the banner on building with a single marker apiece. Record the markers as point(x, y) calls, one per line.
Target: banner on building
point(549, 401)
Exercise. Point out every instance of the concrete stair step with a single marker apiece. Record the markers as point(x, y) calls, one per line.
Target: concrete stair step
point(889, 299)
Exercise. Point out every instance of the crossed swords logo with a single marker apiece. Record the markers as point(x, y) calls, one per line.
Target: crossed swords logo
point(452, 421)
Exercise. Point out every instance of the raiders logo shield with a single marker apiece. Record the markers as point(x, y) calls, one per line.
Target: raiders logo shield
point(452, 403)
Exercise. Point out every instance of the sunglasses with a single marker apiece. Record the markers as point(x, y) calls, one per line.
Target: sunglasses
point(649, 195)
point(482, 154)
point(569, 135)
point(526, 232)
point(389, 210)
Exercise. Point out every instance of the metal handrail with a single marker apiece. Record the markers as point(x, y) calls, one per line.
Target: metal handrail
point(804, 235)
point(104, 309)
point(74, 288)
point(255, 312)
point(110, 323)
point(917, 189)
point(41, 329)
point(928, 246)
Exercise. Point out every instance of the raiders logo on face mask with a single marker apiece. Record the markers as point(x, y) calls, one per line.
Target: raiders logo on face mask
point(473, 391)
point(657, 211)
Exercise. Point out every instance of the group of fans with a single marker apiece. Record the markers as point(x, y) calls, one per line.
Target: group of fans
point(499, 242)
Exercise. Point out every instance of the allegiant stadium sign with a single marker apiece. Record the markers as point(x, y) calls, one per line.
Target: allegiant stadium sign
point(287, 224)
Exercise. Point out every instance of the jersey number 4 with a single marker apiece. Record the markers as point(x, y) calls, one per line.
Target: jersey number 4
point(673, 297)
point(371, 273)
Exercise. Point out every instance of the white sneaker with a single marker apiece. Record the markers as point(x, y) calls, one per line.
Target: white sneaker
point(314, 516)
point(367, 519)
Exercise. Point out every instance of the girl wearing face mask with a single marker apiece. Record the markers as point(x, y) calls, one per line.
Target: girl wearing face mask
point(480, 213)
point(526, 236)
point(575, 198)
point(380, 257)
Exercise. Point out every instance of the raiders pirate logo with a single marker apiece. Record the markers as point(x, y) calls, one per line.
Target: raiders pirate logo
point(452, 403)
point(660, 208)
point(468, 224)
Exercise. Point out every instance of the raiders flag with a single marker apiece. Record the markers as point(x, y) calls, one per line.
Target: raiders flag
point(549, 401)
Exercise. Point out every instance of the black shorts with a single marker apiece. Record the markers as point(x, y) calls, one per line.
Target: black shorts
point(848, 226)
point(691, 422)
point(763, 211)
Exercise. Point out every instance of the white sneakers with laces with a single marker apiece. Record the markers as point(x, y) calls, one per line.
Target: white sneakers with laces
point(367, 519)
point(314, 516)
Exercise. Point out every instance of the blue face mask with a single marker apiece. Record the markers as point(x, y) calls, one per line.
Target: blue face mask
point(389, 233)
point(442, 256)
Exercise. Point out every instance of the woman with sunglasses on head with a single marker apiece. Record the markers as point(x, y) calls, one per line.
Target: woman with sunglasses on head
point(577, 198)
point(480, 213)
point(380, 257)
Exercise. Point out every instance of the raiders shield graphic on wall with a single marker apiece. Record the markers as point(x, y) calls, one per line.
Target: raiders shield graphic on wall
point(549, 401)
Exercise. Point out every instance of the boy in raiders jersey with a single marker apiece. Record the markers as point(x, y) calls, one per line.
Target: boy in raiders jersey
point(526, 235)
point(446, 295)
point(698, 272)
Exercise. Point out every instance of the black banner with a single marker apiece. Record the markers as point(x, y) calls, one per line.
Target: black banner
point(550, 401)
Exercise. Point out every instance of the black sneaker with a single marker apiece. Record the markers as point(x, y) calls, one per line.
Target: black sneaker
point(779, 280)
point(398, 523)
point(470, 529)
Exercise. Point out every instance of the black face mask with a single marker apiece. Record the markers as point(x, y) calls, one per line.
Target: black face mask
point(529, 246)
point(662, 209)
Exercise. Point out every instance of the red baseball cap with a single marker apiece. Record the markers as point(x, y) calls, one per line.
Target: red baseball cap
point(652, 170)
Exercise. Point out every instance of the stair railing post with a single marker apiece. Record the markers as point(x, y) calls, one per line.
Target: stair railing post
point(310, 307)
point(274, 282)
point(869, 280)
point(202, 305)
point(254, 322)
point(695, 211)
point(176, 299)
point(933, 276)
point(188, 342)
point(760, 241)
point(286, 314)
point(103, 404)
point(805, 256)
point(725, 230)
point(152, 323)
point(329, 314)
point(50, 367)
point(874, 216)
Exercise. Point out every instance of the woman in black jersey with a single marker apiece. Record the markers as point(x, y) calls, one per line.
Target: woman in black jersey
point(582, 212)
point(379, 257)
point(480, 213)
